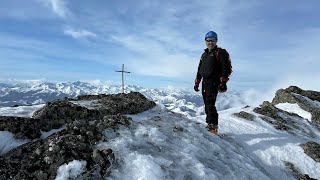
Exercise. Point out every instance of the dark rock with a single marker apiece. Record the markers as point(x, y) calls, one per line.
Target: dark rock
point(296, 173)
point(305, 177)
point(156, 118)
point(312, 149)
point(245, 115)
point(91, 97)
point(294, 94)
point(131, 103)
point(177, 129)
point(114, 123)
point(313, 95)
point(282, 120)
point(280, 125)
point(57, 113)
point(292, 169)
point(42, 158)
point(21, 127)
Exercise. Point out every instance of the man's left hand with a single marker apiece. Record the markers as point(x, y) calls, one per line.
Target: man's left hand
point(222, 88)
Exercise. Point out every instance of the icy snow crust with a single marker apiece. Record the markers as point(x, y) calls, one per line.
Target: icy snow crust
point(169, 146)
point(294, 108)
point(72, 170)
point(8, 142)
point(165, 145)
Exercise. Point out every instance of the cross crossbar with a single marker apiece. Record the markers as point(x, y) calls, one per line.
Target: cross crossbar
point(123, 71)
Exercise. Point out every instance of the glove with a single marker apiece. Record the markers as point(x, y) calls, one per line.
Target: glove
point(196, 87)
point(222, 87)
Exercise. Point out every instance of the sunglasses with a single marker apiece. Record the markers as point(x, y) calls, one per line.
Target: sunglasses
point(211, 40)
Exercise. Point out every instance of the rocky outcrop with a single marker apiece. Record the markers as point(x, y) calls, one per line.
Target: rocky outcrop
point(291, 122)
point(312, 149)
point(245, 115)
point(281, 120)
point(306, 99)
point(42, 158)
point(131, 103)
point(22, 128)
point(296, 173)
point(59, 112)
point(84, 118)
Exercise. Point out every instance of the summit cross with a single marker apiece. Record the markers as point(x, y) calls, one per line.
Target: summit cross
point(123, 71)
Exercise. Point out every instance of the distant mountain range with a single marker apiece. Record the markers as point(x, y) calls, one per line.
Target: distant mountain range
point(174, 99)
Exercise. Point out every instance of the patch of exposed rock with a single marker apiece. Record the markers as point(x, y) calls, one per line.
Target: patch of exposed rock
point(22, 128)
point(59, 112)
point(312, 149)
point(41, 159)
point(281, 120)
point(296, 173)
point(131, 103)
point(245, 115)
point(306, 99)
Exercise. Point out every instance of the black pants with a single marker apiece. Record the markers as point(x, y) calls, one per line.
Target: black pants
point(209, 94)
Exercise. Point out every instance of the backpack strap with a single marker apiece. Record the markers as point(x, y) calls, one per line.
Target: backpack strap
point(217, 53)
point(229, 60)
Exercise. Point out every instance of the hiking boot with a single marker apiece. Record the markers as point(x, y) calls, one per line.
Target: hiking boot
point(212, 127)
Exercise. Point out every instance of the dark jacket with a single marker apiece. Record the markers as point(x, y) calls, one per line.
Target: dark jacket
point(212, 68)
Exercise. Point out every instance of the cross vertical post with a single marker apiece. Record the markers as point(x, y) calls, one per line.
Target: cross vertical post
point(123, 71)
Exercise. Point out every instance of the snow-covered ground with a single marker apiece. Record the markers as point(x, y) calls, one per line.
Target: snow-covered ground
point(20, 111)
point(170, 141)
point(165, 145)
point(294, 108)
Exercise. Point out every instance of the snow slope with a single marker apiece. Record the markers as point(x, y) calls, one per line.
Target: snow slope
point(165, 145)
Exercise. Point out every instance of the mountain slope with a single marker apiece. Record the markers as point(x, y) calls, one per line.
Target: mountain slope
point(170, 141)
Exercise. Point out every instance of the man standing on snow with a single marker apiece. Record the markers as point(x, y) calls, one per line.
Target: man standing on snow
point(214, 70)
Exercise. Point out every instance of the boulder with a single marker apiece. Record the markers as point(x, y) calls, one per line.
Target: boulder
point(306, 99)
point(312, 149)
point(296, 172)
point(282, 120)
point(131, 103)
point(21, 127)
point(59, 112)
point(41, 159)
point(245, 115)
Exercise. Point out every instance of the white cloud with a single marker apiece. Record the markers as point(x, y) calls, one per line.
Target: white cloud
point(166, 40)
point(154, 59)
point(78, 34)
point(29, 82)
point(58, 6)
point(161, 46)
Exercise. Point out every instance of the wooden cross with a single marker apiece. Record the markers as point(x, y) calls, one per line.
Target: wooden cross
point(123, 71)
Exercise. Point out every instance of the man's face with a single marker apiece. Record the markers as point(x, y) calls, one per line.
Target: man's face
point(211, 42)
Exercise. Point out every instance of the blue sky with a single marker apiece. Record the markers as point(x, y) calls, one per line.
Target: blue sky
point(271, 43)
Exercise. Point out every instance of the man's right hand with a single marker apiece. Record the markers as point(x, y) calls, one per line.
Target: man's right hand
point(196, 88)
